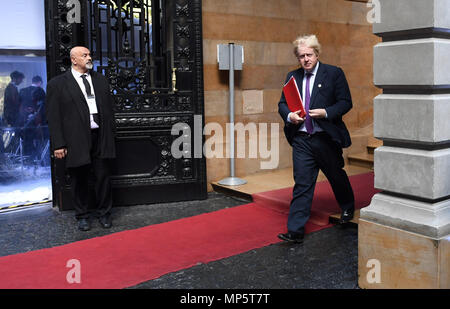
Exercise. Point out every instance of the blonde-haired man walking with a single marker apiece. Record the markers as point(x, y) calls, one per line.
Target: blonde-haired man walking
point(318, 138)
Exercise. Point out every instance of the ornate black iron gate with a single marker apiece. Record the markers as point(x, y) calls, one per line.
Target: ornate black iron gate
point(151, 53)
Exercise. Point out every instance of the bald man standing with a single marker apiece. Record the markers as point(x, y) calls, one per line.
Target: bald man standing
point(79, 110)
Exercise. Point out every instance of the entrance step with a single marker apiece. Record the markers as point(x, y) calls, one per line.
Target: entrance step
point(336, 217)
point(273, 180)
point(372, 144)
point(361, 159)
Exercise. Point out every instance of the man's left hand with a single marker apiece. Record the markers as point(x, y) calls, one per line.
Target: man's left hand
point(317, 113)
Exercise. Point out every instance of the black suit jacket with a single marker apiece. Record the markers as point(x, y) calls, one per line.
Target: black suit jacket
point(29, 97)
point(331, 92)
point(68, 118)
point(11, 105)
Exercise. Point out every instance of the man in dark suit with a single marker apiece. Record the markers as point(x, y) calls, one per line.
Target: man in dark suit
point(30, 118)
point(318, 138)
point(30, 96)
point(79, 110)
point(11, 103)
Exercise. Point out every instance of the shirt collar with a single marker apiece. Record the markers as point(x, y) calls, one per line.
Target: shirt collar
point(76, 74)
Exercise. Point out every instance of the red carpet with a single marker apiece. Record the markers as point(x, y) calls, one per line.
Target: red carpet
point(128, 258)
point(324, 204)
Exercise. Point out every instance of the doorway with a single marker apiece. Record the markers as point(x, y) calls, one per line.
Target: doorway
point(25, 174)
point(151, 53)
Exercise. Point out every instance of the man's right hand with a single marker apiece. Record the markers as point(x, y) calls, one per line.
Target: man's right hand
point(60, 153)
point(295, 118)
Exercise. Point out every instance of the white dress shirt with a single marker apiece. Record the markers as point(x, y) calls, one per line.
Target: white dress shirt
point(311, 85)
point(92, 104)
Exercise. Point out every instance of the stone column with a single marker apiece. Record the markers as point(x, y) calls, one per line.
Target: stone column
point(404, 234)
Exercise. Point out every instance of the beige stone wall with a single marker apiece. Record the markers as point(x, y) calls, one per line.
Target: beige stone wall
point(266, 29)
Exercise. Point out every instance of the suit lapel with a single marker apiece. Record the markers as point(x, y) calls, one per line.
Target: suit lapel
point(96, 85)
point(299, 79)
point(77, 96)
point(318, 83)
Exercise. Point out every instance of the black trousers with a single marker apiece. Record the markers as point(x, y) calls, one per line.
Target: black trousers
point(100, 171)
point(311, 153)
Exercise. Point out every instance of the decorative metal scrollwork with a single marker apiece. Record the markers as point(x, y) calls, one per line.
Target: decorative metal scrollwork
point(149, 121)
point(130, 79)
point(182, 10)
point(167, 166)
point(183, 31)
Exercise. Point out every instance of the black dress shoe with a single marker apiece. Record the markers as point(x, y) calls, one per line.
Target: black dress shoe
point(347, 215)
point(84, 225)
point(105, 222)
point(291, 237)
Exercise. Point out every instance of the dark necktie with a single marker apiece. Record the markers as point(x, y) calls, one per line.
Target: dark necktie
point(308, 120)
point(86, 85)
point(89, 94)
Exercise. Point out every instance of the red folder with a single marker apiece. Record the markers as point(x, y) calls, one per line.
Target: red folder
point(293, 98)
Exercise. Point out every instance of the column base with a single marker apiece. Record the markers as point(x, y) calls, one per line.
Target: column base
point(428, 219)
point(392, 258)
